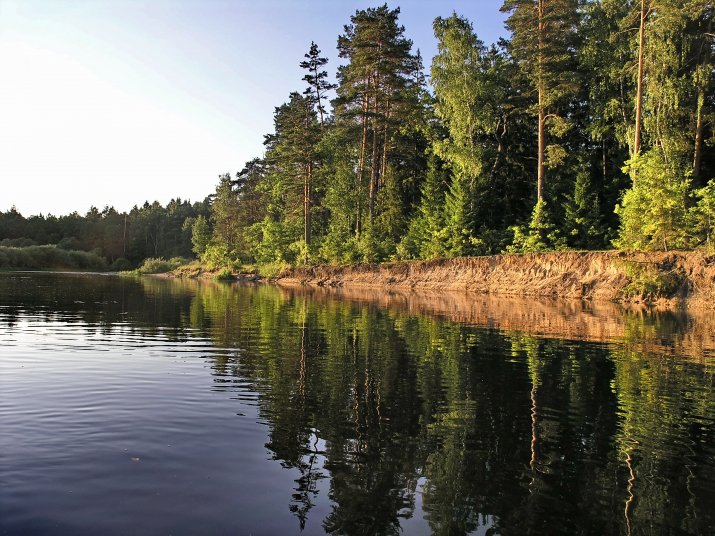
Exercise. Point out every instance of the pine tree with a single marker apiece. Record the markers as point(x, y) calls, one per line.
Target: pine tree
point(317, 80)
point(292, 157)
point(375, 96)
point(544, 41)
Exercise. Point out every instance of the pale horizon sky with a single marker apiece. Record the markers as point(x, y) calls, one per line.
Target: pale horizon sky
point(115, 102)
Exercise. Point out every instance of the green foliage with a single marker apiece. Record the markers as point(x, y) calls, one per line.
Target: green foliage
point(457, 233)
point(200, 235)
point(396, 171)
point(121, 265)
point(704, 215)
point(216, 255)
point(225, 274)
point(649, 281)
point(583, 214)
point(541, 235)
point(49, 258)
point(160, 265)
point(467, 98)
point(271, 241)
point(654, 212)
point(273, 269)
point(426, 235)
point(427, 231)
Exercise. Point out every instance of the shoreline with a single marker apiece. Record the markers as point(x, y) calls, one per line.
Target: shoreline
point(665, 280)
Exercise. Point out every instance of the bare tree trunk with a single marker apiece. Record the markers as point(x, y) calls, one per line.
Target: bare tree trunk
point(307, 193)
point(361, 163)
point(374, 170)
point(541, 136)
point(699, 128)
point(385, 141)
point(374, 161)
point(639, 96)
point(700, 123)
point(604, 161)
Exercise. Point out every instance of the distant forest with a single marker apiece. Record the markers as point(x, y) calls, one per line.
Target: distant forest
point(591, 127)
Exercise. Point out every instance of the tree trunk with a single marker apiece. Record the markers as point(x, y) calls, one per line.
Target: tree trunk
point(374, 160)
point(361, 163)
point(639, 96)
point(701, 83)
point(307, 187)
point(541, 136)
point(383, 162)
point(604, 161)
point(374, 171)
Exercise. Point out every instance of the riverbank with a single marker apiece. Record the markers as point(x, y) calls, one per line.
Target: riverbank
point(668, 280)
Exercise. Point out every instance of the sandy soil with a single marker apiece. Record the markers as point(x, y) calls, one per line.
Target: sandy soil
point(597, 276)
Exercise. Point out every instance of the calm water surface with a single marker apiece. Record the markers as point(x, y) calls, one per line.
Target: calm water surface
point(162, 407)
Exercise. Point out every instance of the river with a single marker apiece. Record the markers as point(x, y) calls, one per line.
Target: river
point(150, 406)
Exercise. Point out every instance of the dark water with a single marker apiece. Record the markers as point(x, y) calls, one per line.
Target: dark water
point(159, 407)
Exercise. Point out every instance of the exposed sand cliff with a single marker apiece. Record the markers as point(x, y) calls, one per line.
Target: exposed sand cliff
point(673, 279)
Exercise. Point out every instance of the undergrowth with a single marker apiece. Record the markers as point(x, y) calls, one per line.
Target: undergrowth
point(650, 281)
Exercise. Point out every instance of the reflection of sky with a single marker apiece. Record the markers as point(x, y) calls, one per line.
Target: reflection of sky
point(112, 420)
point(118, 101)
point(126, 431)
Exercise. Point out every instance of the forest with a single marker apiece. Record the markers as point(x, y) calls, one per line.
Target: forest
point(590, 127)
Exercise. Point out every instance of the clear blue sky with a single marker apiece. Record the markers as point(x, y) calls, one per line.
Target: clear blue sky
point(113, 102)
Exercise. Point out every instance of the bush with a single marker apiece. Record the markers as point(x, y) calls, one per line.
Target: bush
point(704, 215)
point(216, 256)
point(120, 265)
point(160, 265)
point(49, 258)
point(224, 275)
point(650, 282)
point(272, 269)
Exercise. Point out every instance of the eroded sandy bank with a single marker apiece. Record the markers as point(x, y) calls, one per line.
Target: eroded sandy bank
point(673, 279)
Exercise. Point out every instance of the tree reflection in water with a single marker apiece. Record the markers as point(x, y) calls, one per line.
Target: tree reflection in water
point(393, 411)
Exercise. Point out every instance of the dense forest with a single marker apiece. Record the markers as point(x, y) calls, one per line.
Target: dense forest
point(590, 127)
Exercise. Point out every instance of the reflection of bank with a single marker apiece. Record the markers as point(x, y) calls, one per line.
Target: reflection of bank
point(690, 334)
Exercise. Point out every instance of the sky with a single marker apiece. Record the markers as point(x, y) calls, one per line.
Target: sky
point(114, 102)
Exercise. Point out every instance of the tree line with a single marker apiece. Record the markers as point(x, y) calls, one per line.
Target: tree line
point(124, 239)
point(590, 127)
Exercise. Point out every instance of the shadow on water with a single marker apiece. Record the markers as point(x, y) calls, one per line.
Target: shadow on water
point(444, 414)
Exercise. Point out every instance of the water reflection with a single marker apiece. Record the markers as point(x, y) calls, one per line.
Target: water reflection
point(390, 419)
